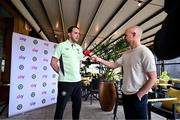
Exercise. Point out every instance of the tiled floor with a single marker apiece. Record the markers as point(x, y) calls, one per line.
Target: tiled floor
point(88, 112)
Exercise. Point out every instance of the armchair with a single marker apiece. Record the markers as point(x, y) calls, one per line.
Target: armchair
point(166, 107)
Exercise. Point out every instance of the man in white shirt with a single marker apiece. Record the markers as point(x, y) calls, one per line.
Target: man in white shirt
point(139, 74)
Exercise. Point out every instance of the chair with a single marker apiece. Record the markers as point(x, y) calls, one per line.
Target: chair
point(176, 86)
point(166, 107)
point(93, 90)
point(119, 98)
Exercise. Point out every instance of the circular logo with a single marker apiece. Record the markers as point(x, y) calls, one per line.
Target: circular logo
point(43, 101)
point(54, 75)
point(44, 67)
point(34, 59)
point(33, 76)
point(32, 94)
point(22, 48)
point(53, 91)
point(45, 52)
point(20, 86)
point(44, 84)
point(55, 45)
point(21, 67)
point(35, 42)
point(19, 107)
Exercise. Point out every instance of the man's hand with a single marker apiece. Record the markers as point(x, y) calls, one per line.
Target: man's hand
point(95, 58)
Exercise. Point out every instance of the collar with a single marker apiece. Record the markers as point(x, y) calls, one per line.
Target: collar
point(71, 43)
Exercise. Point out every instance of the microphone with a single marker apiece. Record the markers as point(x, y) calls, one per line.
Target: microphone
point(87, 53)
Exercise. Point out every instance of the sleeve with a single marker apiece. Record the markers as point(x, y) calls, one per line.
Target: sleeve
point(81, 54)
point(57, 51)
point(148, 61)
point(120, 60)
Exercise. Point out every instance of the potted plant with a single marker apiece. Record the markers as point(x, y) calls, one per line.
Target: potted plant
point(107, 92)
point(164, 77)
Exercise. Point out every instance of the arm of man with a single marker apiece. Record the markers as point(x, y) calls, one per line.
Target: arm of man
point(109, 64)
point(54, 64)
point(148, 85)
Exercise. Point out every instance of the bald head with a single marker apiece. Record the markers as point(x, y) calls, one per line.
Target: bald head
point(133, 35)
point(137, 30)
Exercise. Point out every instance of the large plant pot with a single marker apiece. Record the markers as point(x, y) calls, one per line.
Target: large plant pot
point(107, 95)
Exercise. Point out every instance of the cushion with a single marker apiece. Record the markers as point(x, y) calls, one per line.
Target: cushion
point(172, 93)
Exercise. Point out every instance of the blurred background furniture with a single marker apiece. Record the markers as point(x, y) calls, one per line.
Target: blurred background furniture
point(118, 97)
point(168, 107)
point(93, 90)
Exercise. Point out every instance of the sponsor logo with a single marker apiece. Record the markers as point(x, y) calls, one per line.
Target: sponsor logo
point(54, 75)
point(43, 101)
point(46, 44)
point(19, 96)
point(34, 67)
point(20, 86)
point(52, 99)
point(33, 76)
point(19, 107)
point(55, 45)
point(34, 50)
point(44, 76)
point(35, 42)
point(44, 84)
point(34, 59)
point(33, 94)
point(32, 103)
point(21, 77)
point(43, 92)
point(22, 39)
point(46, 60)
point(45, 52)
point(21, 67)
point(53, 83)
point(44, 67)
point(53, 91)
point(22, 48)
point(22, 57)
point(33, 85)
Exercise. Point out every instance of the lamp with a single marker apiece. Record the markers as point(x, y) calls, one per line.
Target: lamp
point(27, 26)
point(139, 2)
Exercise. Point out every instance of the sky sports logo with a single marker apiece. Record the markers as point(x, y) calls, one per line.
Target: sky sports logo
point(46, 44)
point(32, 103)
point(43, 92)
point(33, 85)
point(22, 39)
point(44, 76)
point(34, 67)
point(22, 57)
point(45, 60)
point(34, 50)
point(19, 97)
point(20, 77)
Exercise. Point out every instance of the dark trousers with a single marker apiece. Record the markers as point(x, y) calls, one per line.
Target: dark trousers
point(134, 108)
point(65, 91)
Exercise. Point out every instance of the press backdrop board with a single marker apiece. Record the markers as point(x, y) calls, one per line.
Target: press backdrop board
point(33, 83)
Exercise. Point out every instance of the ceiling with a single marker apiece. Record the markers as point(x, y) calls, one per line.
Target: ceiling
point(98, 20)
